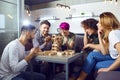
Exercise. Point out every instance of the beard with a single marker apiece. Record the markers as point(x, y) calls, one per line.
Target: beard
point(30, 40)
point(45, 33)
point(29, 44)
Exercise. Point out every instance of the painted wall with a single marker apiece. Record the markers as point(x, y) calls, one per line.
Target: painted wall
point(89, 10)
point(8, 22)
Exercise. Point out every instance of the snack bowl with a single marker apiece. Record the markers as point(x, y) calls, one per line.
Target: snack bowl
point(47, 52)
point(60, 53)
point(41, 53)
point(69, 52)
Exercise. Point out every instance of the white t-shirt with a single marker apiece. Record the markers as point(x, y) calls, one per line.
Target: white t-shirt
point(114, 37)
point(12, 60)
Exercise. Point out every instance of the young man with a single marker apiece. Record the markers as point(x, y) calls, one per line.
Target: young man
point(42, 40)
point(14, 59)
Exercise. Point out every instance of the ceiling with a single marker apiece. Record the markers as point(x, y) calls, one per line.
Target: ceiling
point(35, 2)
point(40, 4)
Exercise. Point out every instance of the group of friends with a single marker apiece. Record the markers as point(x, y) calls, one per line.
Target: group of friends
point(101, 43)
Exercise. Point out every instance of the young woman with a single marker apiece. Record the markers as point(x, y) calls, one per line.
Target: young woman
point(90, 39)
point(68, 37)
point(108, 58)
point(111, 26)
point(91, 35)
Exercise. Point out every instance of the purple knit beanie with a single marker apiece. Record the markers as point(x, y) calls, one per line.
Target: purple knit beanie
point(64, 26)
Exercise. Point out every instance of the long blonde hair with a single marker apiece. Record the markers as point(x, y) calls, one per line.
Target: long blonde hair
point(109, 22)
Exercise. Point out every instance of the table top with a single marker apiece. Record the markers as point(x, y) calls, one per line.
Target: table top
point(58, 59)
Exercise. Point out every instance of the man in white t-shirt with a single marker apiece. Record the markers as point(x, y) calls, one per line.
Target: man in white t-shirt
point(14, 60)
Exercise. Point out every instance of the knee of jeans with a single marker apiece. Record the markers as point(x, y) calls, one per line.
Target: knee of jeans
point(86, 70)
point(92, 54)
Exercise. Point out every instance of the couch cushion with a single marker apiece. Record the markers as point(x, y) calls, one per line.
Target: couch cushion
point(78, 43)
point(111, 75)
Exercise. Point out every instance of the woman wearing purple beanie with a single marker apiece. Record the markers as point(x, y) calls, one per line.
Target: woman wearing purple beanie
point(67, 42)
point(67, 36)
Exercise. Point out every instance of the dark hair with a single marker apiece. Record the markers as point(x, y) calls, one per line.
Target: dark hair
point(90, 23)
point(28, 28)
point(45, 22)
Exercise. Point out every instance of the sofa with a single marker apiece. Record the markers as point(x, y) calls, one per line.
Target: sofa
point(78, 43)
point(111, 75)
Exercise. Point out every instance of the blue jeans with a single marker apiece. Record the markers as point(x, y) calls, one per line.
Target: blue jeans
point(95, 60)
point(29, 76)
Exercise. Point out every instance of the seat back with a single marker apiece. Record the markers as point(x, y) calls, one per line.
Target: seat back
point(78, 43)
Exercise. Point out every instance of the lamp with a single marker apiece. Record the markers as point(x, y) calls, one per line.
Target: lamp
point(62, 6)
point(28, 11)
point(116, 1)
point(112, 1)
